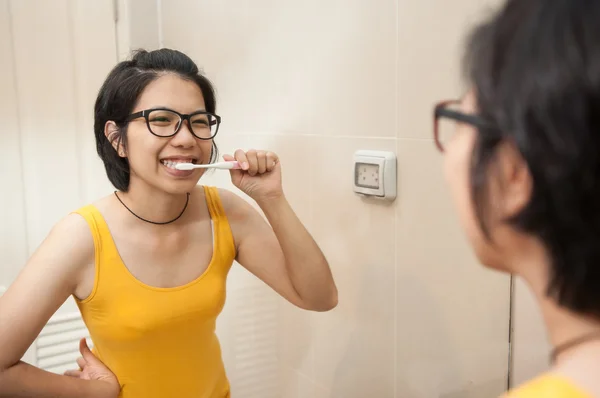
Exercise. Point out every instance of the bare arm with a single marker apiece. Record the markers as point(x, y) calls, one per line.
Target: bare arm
point(47, 280)
point(283, 254)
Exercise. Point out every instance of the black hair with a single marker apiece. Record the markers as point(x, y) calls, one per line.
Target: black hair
point(120, 92)
point(535, 69)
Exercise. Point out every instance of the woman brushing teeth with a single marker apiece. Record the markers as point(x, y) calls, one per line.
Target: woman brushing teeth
point(148, 265)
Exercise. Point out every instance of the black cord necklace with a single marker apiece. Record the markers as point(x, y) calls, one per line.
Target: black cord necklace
point(571, 343)
point(154, 222)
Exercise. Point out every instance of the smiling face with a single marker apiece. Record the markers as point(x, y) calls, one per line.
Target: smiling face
point(152, 158)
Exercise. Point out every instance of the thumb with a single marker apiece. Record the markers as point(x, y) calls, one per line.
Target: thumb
point(86, 353)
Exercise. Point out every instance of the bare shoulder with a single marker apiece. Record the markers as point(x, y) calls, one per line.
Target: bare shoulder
point(73, 232)
point(69, 241)
point(245, 221)
point(228, 198)
point(51, 274)
point(236, 208)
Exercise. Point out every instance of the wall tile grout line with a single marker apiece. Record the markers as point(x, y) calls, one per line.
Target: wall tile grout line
point(19, 126)
point(76, 101)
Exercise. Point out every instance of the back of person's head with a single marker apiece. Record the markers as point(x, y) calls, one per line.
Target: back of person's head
point(535, 68)
point(120, 92)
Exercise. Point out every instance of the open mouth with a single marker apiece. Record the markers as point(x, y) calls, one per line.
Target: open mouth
point(171, 163)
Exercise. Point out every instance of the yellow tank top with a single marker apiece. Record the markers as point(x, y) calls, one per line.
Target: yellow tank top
point(548, 386)
point(159, 342)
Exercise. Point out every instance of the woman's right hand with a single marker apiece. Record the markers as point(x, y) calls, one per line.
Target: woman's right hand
point(91, 368)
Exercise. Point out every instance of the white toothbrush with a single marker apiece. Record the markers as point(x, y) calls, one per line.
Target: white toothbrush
point(220, 165)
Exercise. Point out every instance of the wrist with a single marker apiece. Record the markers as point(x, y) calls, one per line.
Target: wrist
point(270, 199)
point(103, 389)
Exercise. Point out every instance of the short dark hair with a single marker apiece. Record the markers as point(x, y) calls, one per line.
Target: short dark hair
point(120, 92)
point(535, 69)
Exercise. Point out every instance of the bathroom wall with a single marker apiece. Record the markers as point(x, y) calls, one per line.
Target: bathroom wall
point(55, 55)
point(313, 81)
point(316, 81)
point(530, 347)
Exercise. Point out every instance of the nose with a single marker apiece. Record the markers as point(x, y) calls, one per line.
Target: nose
point(184, 137)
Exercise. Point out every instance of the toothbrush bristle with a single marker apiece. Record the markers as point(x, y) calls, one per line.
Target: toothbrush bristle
point(184, 166)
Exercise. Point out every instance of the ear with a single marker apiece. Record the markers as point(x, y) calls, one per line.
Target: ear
point(111, 131)
point(515, 181)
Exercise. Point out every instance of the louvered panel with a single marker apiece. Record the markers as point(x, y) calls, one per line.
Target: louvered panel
point(57, 346)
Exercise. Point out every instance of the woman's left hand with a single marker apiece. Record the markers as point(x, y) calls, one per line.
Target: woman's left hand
point(260, 176)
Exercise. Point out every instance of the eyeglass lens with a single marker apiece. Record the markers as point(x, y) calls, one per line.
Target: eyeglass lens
point(165, 123)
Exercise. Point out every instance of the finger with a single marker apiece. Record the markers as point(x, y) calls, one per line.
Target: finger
point(88, 356)
point(241, 157)
point(272, 161)
point(252, 162)
point(261, 158)
point(73, 373)
point(81, 362)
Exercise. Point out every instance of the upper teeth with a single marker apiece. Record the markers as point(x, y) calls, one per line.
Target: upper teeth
point(171, 163)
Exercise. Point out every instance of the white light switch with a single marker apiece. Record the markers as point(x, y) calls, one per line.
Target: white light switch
point(2, 290)
point(375, 174)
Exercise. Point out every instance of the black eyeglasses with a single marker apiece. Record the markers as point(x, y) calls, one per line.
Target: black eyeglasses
point(449, 110)
point(164, 122)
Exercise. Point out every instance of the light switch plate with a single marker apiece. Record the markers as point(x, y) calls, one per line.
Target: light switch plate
point(375, 174)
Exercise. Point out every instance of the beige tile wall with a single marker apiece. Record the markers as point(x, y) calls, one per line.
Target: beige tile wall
point(54, 56)
point(313, 81)
point(316, 81)
point(531, 346)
